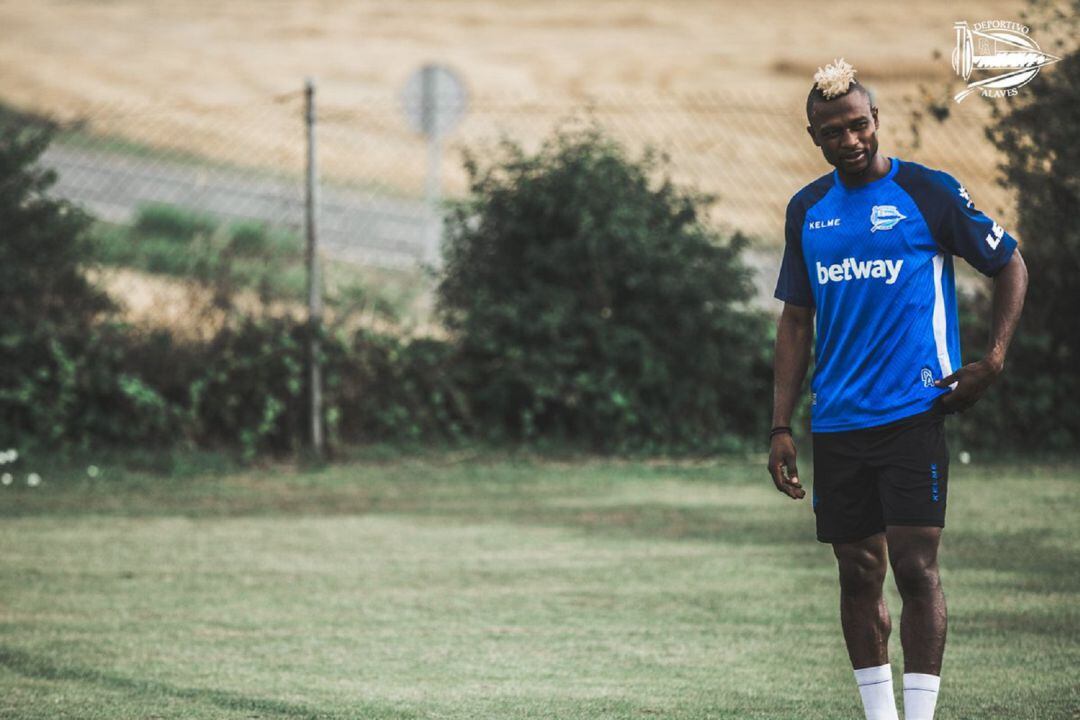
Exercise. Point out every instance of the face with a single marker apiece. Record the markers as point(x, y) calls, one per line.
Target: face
point(846, 131)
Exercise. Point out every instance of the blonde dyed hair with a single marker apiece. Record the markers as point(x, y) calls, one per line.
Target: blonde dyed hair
point(834, 80)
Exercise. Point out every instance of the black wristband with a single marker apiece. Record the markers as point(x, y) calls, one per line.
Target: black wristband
point(779, 430)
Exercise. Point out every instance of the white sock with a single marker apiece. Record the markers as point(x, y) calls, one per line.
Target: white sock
point(876, 689)
point(920, 695)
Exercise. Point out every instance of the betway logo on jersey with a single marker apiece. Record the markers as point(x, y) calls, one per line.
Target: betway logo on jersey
point(852, 269)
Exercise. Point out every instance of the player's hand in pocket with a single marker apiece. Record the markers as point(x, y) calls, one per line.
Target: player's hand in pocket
point(972, 382)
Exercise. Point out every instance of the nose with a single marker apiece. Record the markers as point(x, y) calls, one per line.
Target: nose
point(849, 139)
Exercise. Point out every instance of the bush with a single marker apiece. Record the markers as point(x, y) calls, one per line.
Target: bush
point(172, 223)
point(591, 303)
point(257, 240)
point(46, 300)
point(387, 388)
point(250, 388)
point(43, 240)
point(86, 387)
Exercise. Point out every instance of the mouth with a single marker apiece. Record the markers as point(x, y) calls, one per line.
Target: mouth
point(854, 158)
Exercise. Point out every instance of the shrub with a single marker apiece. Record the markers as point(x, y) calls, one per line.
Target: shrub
point(250, 387)
point(590, 302)
point(387, 388)
point(46, 300)
point(87, 387)
point(43, 240)
point(249, 239)
point(172, 223)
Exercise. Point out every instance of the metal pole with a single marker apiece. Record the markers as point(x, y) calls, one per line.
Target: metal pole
point(314, 284)
point(432, 187)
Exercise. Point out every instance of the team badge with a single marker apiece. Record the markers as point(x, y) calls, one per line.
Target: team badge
point(885, 217)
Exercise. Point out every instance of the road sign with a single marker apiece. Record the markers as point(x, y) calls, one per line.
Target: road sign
point(435, 100)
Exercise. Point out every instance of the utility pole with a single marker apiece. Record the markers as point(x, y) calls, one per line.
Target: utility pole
point(314, 284)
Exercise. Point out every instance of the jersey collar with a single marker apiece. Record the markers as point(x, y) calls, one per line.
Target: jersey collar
point(894, 165)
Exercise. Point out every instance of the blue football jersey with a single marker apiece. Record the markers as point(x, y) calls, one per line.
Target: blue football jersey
point(877, 264)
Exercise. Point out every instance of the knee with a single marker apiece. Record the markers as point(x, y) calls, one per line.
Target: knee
point(861, 573)
point(916, 576)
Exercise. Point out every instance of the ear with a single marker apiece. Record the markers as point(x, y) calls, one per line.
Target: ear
point(810, 130)
point(873, 112)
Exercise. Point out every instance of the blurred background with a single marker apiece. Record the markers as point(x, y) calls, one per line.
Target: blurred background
point(334, 387)
point(183, 131)
point(178, 103)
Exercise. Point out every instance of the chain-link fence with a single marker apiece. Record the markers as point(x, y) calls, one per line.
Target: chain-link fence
point(246, 161)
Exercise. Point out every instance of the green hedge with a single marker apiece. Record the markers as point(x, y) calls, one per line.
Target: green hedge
point(593, 304)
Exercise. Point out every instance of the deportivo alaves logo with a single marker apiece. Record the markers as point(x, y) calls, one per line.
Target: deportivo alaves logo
point(997, 45)
point(853, 269)
point(885, 217)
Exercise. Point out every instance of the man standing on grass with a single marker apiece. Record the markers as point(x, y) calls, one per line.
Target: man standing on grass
point(869, 252)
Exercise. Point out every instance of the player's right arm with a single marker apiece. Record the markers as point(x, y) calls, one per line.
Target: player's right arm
point(794, 335)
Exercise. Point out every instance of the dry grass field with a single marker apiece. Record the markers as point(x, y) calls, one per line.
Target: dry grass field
point(717, 84)
point(67, 54)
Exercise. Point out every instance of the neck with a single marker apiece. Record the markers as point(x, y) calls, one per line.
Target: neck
point(877, 169)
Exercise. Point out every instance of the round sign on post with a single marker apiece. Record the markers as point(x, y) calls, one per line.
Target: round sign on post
point(435, 100)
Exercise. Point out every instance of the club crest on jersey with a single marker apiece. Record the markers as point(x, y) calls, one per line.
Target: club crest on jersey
point(885, 217)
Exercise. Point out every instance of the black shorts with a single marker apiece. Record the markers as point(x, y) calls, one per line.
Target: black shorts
point(895, 474)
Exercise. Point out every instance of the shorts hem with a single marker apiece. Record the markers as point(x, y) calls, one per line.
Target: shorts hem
point(936, 522)
point(835, 539)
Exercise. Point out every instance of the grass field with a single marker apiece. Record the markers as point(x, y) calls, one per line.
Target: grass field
point(465, 586)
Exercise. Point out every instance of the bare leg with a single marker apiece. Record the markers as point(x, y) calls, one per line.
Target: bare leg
point(863, 614)
point(913, 552)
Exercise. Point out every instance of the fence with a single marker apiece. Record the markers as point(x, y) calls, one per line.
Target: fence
point(246, 161)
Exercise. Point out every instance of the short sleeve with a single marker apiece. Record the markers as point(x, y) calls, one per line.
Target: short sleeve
point(793, 285)
point(965, 231)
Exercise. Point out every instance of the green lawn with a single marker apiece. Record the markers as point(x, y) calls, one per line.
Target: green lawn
point(458, 586)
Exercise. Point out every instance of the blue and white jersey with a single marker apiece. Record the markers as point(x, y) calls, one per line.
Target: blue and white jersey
point(876, 263)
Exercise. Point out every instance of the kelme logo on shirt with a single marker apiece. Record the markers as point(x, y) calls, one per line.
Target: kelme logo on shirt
point(852, 269)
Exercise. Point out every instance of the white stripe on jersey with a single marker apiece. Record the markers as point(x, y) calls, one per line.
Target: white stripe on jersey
point(940, 336)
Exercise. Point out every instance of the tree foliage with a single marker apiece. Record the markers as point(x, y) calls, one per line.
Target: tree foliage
point(1034, 406)
point(43, 238)
point(592, 302)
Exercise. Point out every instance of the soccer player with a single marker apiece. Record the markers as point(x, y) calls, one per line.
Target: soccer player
point(868, 270)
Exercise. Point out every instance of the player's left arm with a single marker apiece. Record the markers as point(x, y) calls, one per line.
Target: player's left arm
point(973, 380)
point(962, 229)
